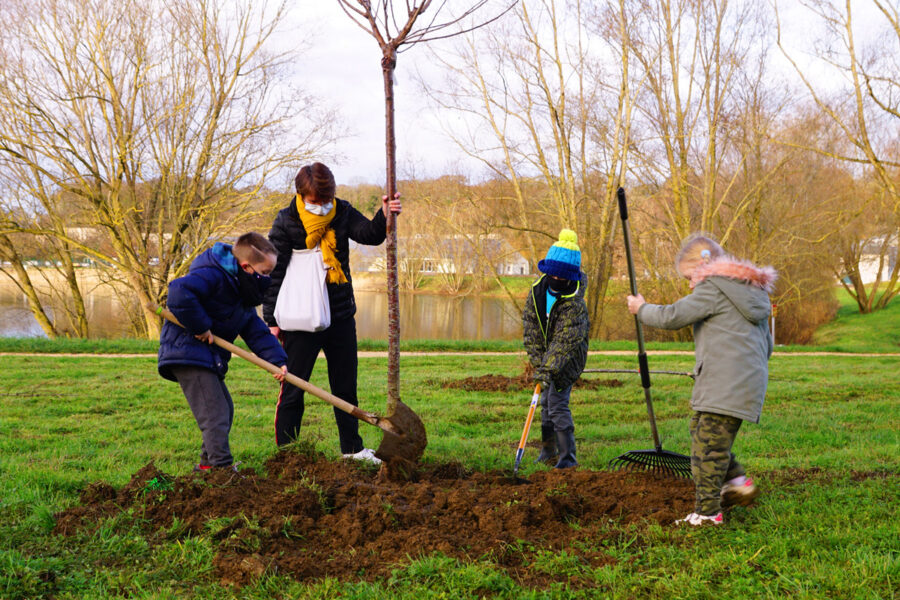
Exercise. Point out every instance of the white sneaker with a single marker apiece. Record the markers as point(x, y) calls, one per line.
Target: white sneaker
point(365, 454)
point(698, 520)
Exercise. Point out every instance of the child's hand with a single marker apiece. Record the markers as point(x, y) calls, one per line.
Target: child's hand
point(280, 376)
point(635, 303)
point(393, 206)
point(206, 336)
point(276, 331)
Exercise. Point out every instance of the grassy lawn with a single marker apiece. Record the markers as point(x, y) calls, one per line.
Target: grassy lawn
point(827, 456)
point(851, 331)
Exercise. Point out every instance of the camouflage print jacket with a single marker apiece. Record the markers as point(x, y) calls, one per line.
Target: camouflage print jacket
point(557, 345)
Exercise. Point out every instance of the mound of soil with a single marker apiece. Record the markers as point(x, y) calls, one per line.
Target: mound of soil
point(313, 518)
point(504, 383)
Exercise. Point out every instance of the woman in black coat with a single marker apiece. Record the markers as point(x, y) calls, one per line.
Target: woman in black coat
point(316, 217)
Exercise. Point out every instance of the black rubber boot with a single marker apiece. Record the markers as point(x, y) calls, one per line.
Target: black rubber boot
point(548, 446)
point(565, 440)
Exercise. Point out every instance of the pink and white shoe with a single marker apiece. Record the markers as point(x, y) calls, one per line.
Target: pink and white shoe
point(698, 520)
point(740, 491)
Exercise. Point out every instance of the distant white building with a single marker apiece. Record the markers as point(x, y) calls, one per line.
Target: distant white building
point(447, 254)
point(871, 256)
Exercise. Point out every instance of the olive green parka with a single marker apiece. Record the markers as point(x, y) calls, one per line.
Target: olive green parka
point(729, 310)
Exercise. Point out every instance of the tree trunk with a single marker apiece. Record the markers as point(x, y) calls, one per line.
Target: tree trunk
point(79, 318)
point(388, 62)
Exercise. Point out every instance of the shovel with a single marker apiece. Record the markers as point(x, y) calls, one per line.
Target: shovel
point(521, 450)
point(403, 431)
point(655, 460)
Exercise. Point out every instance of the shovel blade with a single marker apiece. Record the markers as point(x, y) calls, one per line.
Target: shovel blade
point(410, 443)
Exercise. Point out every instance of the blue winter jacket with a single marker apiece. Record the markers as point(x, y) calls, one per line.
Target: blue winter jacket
point(207, 298)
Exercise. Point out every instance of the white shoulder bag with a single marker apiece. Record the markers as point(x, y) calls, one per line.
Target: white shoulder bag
point(302, 303)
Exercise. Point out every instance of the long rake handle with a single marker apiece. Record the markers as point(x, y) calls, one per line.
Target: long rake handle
point(521, 450)
point(642, 354)
point(304, 385)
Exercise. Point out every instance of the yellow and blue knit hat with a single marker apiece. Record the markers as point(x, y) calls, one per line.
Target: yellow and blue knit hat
point(563, 258)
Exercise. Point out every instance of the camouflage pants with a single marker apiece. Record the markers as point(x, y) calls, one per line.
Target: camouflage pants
point(712, 462)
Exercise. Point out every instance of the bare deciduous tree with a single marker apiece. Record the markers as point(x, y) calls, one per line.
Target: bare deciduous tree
point(379, 19)
point(161, 123)
point(547, 120)
point(695, 58)
point(867, 113)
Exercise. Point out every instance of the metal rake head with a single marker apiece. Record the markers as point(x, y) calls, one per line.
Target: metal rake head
point(662, 462)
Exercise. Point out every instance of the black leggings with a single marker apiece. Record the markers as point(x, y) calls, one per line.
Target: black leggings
point(338, 342)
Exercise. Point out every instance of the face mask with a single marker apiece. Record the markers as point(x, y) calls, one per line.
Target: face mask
point(318, 209)
point(251, 287)
point(559, 286)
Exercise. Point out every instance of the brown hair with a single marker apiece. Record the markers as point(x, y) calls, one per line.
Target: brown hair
point(693, 248)
point(315, 179)
point(253, 248)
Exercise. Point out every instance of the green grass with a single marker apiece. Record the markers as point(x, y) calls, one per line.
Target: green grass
point(69, 421)
point(517, 286)
point(851, 331)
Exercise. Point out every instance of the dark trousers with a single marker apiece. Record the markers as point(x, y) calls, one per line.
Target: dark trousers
point(338, 342)
point(712, 462)
point(555, 411)
point(213, 410)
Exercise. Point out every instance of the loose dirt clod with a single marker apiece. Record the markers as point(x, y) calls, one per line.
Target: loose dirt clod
point(313, 518)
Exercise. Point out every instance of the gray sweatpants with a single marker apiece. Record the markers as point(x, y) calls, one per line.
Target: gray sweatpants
point(555, 411)
point(213, 410)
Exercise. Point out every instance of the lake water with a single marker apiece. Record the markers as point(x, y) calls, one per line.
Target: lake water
point(421, 317)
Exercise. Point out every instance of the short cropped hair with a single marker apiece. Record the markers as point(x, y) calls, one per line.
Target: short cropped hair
point(315, 179)
point(698, 247)
point(253, 248)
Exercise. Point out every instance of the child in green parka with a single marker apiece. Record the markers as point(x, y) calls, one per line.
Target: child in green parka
point(556, 326)
point(729, 309)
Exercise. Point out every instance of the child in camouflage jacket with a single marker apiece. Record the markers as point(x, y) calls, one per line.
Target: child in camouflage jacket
point(556, 326)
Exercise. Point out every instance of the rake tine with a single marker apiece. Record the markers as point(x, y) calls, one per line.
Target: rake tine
point(660, 462)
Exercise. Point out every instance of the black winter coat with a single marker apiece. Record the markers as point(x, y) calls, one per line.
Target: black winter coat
point(288, 234)
point(208, 298)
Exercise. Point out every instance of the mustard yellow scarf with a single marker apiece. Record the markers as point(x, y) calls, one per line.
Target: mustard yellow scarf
point(318, 232)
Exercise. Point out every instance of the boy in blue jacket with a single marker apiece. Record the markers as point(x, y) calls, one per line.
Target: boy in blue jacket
point(218, 297)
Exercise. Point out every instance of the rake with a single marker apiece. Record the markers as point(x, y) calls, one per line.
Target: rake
point(656, 460)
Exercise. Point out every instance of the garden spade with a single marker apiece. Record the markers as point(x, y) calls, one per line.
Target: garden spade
point(655, 460)
point(404, 434)
point(535, 398)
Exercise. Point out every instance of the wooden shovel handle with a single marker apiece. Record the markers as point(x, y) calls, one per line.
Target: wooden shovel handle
point(304, 385)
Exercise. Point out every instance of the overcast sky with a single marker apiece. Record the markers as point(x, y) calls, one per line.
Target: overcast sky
point(343, 68)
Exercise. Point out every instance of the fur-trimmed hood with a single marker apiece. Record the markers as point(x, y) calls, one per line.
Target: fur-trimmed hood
point(746, 285)
point(735, 268)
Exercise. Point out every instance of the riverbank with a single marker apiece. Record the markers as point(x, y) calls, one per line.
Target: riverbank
point(377, 349)
point(434, 322)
